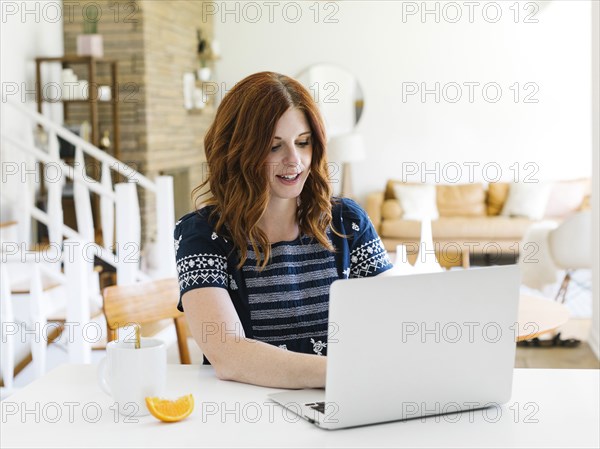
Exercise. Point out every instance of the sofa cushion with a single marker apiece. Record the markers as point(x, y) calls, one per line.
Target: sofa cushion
point(496, 197)
point(566, 197)
point(527, 200)
point(462, 200)
point(460, 228)
point(586, 204)
point(389, 189)
point(418, 201)
point(391, 209)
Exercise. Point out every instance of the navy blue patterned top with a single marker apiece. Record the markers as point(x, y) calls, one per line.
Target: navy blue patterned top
point(287, 303)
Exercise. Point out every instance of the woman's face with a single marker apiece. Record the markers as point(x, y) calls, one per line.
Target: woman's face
point(288, 163)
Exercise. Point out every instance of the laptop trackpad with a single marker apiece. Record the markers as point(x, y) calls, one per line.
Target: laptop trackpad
point(301, 402)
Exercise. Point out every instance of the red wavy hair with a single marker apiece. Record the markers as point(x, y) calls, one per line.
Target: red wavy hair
point(237, 145)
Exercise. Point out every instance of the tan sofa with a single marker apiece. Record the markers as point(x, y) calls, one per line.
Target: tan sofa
point(469, 218)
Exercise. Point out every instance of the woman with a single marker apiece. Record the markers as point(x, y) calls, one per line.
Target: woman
point(255, 264)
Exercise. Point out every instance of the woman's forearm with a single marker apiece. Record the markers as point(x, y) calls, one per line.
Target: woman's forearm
point(216, 328)
point(258, 363)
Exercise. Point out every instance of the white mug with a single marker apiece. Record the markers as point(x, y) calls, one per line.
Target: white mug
point(129, 375)
point(104, 93)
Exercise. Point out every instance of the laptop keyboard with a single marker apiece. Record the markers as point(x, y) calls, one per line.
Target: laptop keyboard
point(318, 406)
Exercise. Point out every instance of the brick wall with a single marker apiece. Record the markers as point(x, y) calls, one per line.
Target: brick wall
point(155, 44)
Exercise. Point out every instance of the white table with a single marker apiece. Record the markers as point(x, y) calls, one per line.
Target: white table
point(549, 408)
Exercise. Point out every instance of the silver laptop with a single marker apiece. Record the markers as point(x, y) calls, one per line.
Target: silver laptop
point(402, 347)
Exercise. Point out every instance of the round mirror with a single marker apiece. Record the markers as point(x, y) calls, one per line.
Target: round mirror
point(338, 95)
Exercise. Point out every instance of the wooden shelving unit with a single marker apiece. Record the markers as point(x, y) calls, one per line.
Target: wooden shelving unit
point(94, 103)
point(92, 69)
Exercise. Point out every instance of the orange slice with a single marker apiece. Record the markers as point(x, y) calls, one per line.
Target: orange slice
point(170, 411)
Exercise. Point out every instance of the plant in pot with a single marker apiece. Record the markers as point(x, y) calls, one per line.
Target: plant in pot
point(90, 42)
point(203, 57)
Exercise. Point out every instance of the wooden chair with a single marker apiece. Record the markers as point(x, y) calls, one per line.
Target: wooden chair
point(146, 302)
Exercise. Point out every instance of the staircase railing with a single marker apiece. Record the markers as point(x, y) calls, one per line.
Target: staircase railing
point(119, 213)
point(119, 205)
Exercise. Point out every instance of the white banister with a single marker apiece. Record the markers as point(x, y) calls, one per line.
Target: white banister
point(38, 321)
point(128, 233)
point(102, 253)
point(9, 330)
point(83, 186)
point(53, 145)
point(87, 147)
point(107, 209)
point(77, 269)
point(24, 209)
point(55, 213)
point(54, 180)
point(165, 218)
point(119, 217)
point(83, 205)
point(68, 171)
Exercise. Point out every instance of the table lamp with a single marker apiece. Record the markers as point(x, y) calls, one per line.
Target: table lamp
point(346, 148)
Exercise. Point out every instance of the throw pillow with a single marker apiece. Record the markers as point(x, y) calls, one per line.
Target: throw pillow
point(418, 201)
point(389, 189)
point(391, 210)
point(527, 200)
point(565, 197)
point(496, 197)
point(462, 200)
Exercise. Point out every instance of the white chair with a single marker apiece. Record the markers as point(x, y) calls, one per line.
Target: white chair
point(571, 248)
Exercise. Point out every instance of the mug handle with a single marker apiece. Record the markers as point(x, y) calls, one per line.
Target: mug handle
point(102, 377)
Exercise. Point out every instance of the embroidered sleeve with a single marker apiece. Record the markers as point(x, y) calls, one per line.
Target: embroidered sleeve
point(200, 255)
point(368, 256)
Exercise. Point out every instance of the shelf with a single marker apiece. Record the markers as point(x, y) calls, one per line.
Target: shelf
point(92, 115)
point(209, 58)
point(45, 100)
point(93, 99)
point(76, 60)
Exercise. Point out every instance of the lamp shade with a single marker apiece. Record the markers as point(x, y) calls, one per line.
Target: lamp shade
point(346, 148)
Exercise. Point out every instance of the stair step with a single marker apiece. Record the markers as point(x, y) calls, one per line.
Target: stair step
point(7, 224)
point(22, 287)
point(20, 279)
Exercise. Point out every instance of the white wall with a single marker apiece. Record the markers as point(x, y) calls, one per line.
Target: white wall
point(372, 41)
point(595, 331)
point(27, 30)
